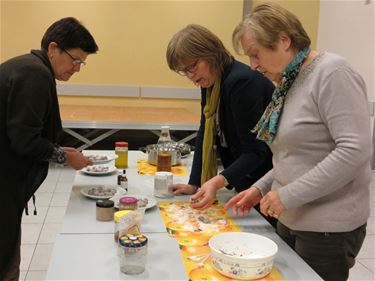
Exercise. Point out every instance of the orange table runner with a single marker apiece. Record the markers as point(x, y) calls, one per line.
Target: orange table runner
point(146, 169)
point(193, 228)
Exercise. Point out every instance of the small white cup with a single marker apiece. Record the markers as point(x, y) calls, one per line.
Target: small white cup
point(163, 184)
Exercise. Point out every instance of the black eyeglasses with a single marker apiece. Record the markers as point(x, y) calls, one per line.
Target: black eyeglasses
point(75, 61)
point(189, 69)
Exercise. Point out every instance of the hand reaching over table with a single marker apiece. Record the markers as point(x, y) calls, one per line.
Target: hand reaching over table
point(76, 159)
point(244, 201)
point(183, 189)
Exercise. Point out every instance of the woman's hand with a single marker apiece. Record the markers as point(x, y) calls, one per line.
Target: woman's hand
point(75, 159)
point(206, 195)
point(244, 201)
point(181, 189)
point(271, 205)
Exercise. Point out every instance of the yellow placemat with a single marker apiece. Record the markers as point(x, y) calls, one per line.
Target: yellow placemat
point(192, 229)
point(146, 169)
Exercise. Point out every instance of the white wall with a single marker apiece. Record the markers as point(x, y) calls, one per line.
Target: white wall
point(347, 28)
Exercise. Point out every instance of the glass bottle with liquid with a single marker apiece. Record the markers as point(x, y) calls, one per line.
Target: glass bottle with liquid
point(164, 159)
point(122, 180)
point(121, 150)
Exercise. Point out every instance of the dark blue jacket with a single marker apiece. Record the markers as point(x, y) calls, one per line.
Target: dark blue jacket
point(244, 95)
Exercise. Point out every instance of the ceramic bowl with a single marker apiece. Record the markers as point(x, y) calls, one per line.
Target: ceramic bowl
point(242, 255)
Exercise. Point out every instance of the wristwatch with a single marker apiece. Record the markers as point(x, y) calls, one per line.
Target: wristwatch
point(59, 155)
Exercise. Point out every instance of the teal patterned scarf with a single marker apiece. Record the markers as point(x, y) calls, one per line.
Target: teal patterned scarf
point(266, 127)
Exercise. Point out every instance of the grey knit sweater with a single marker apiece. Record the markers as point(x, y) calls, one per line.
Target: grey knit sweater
point(322, 149)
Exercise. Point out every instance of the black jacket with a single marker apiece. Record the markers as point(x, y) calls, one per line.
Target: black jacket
point(244, 95)
point(29, 126)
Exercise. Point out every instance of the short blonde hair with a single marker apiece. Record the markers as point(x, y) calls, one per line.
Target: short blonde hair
point(197, 42)
point(267, 21)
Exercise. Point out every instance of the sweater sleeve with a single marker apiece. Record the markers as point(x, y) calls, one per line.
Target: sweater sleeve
point(264, 184)
point(342, 104)
point(28, 105)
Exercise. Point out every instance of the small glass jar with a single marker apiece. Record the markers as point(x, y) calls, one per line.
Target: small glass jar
point(133, 253)
point(117, 216)
point(104, 210)
point(122, 180)
point(121, 150)
point(128, 203)
point(164, 160)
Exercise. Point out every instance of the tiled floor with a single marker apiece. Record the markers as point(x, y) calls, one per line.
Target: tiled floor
point(39, 232)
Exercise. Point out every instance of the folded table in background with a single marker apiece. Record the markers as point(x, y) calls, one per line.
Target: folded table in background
point(115, 118)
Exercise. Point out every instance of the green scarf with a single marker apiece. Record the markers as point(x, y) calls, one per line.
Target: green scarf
point(209, 164)
point(266, 127)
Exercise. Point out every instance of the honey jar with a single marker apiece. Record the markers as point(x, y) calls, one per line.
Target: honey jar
point(121, 150)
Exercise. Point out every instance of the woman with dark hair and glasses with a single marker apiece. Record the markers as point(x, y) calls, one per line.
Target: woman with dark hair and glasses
point(233, 99)
point(30, 126)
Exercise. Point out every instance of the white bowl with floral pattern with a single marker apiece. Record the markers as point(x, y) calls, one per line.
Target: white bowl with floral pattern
point(242, 255)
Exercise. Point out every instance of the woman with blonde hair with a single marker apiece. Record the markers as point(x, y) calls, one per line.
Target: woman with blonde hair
point(318, 128)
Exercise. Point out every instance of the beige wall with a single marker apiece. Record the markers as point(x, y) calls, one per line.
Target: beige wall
point(132, 35)
point(306, 10)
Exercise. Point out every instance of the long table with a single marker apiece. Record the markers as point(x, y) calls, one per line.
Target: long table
point(85, 248)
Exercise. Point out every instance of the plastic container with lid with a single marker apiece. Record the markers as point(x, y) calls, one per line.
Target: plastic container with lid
point(133, 253)
point(121, 150)
point(128, 203)
point(104, 210)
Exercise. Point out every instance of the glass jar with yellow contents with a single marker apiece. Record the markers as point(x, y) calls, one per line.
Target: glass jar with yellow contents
point(121, 150)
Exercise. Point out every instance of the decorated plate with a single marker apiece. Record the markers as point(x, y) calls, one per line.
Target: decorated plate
point(144, 201)
point(97, 158)
point(98, 170)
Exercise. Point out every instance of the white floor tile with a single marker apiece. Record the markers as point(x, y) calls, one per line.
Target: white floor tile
point(22, 275)
point(368, 263)
point(64, 187)
point(39, 218)
point(53, 174)
point(27, 252)
point(372, 211)
point(47, 186)
point(67, 175)
point(371, 225)
point(55, 215)
point(368, 248)
point(41, 257)
point(42, 199)
point(360, 273)
point(60, 199)
point(36, 275)
point(49, 233)
point(30, 233)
